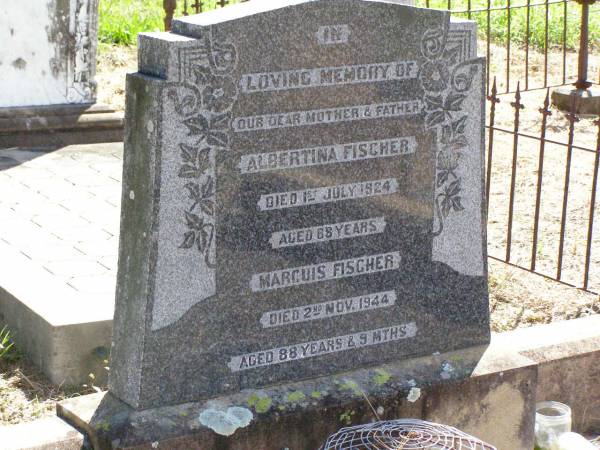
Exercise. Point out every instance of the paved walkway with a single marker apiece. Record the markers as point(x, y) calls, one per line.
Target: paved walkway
point(61, 210)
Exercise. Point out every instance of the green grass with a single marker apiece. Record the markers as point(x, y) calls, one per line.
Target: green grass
point(537, 20)
point(122, 20)
point(8, 352)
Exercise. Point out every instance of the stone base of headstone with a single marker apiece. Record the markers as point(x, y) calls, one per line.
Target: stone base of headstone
point(59, 125)
point(495, 403)
point(587, 103)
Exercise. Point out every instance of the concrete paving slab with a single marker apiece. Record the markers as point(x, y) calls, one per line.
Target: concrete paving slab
point(59, 223)
point(50, 433)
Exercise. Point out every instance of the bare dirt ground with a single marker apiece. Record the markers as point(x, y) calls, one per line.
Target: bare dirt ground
point(113, 63)
point(517, 297)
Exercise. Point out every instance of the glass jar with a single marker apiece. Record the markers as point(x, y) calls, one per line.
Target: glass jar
point(551, 420)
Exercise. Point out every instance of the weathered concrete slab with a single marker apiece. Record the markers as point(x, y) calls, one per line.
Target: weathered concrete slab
point(50, 433)
point(301, 415)
point(496, 403)
point(568, 366)
point(586, 101)
point(58, 247)
point(59, 125)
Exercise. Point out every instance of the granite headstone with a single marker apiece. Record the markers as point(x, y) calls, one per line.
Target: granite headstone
point(302, 195)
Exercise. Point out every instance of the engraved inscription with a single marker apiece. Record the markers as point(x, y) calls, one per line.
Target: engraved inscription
point(332, 270)
point(321, 347)
point(333, 34)
point(328, 194)
point(331, 308)
point(328, 76)
point(327, 232)
point(329, 154)
point(326, 116)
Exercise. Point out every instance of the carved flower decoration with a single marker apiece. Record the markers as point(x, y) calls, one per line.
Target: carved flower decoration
point(214, 128)
point(447, 163)
point(223, 57)
point(434, 76)
point(186, 104)
point(219, 94)
point(451, 200)
point(439, 110)
point(195, 161)
point(202, 196)
point(432, 44)
point(453, 136)
point(200, 232)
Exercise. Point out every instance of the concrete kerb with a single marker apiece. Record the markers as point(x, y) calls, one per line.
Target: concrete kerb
point(66, 336)
point(496, 404)
point(559, 361)
point(50, 433)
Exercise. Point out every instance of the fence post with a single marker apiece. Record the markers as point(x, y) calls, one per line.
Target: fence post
point(589, 98)
point(584, 43)
point(169, 7)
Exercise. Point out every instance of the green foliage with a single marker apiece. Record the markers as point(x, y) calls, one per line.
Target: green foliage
point(7, 348)
point(120, 21)
point(518, 21)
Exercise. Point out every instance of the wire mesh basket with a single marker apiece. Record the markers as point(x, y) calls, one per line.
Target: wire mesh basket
point(406, 434)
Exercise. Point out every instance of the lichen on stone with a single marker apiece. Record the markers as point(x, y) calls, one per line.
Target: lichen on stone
point(381, 377)
point(261, 404)
point(295, 396)
point(351, 385)
point(227, 422)
point(414, 394)
point(447, 370)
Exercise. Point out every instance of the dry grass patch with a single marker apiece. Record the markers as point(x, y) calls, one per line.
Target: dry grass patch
point(113, 64)
point(520, 299)
point(25, 394)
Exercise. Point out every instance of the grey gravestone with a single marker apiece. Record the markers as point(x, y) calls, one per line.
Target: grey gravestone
point(303, 195)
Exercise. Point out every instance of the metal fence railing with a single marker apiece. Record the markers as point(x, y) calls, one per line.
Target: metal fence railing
point(541, 188)
point(193, 7)
point(530, 29)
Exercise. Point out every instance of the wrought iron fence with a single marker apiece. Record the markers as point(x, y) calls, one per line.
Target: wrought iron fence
point(541, 188)
point(193, 7)
point(542, 165)
point(552, 20)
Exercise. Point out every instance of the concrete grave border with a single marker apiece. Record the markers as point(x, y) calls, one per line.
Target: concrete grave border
point(559, 361)
point(62, 333)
